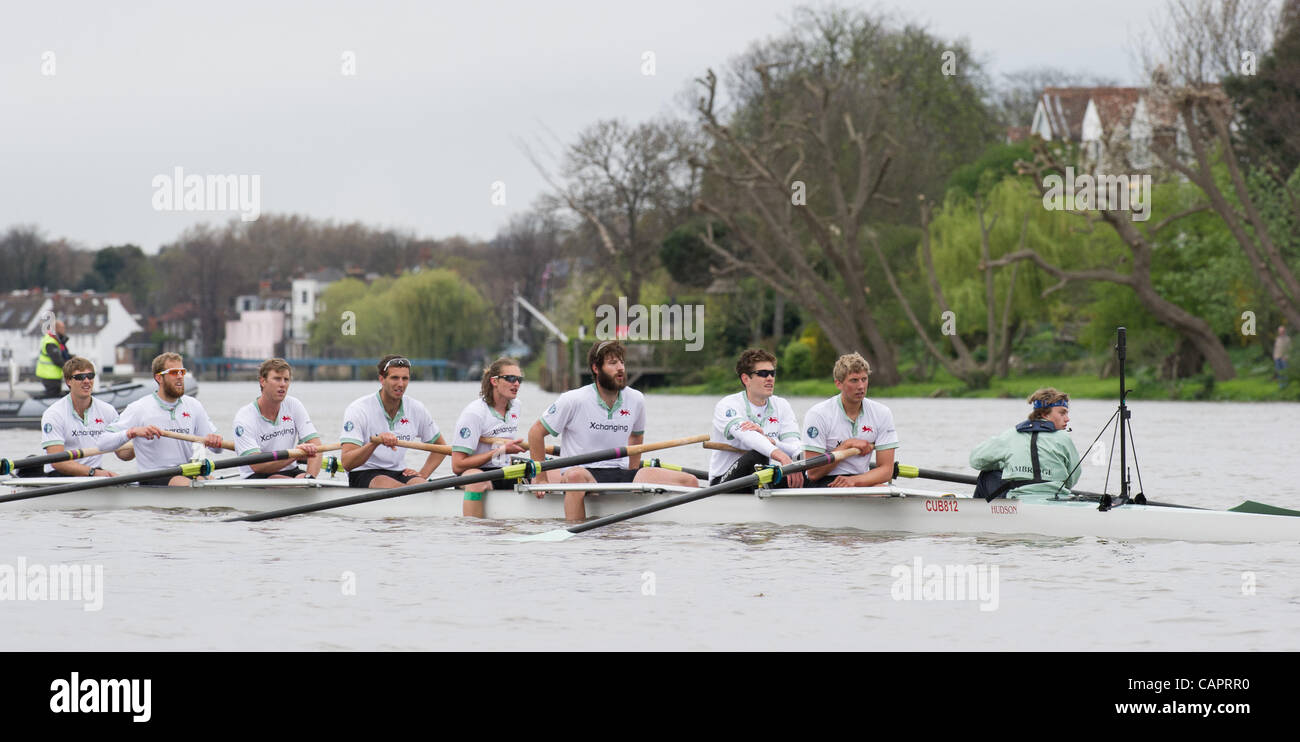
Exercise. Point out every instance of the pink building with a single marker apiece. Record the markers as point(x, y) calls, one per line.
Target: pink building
point(256, 334)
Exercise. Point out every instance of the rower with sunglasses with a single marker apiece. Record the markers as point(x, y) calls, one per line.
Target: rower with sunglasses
point(391, 415)
point(494, 414)
point(168, 409)
point(81, 421)
point(756, 420)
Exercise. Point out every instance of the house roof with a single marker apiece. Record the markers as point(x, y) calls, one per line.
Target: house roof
point(1065, 108)
point(1115, 106)
point(81, 313)
point(18, 309)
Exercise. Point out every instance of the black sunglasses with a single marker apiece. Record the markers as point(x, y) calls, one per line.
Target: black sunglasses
point(765, 373)
point(511, 378)
point(88, 376)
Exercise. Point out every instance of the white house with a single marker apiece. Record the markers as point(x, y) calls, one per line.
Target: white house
point(304, 306)
point(96, 324)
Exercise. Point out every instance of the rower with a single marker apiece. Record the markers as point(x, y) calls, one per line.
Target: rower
point(169, 409)
point(391, 415)
point(607, 414)
point(81, 421)
point(756, 420)
point(276, 421)
point(495, 414)
point(1036, 457)
point(850, 420)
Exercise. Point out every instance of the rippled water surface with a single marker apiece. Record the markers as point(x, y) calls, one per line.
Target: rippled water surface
point(184, 580)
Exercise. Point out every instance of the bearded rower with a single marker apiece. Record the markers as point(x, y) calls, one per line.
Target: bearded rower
point(756, 420)
point(168, 409)
point(81, 421)
point(276, 421)
point(607, 414)
point(494, 414)
point(391, 415)
point(850, 420)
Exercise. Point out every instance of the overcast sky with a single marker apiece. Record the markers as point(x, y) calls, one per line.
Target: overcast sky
point(417, 136)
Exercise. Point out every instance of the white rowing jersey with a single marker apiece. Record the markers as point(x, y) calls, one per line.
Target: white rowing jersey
point(586, 424)
point(62, 426)
point(366, 417)
point(256, 434)
point(185, 415)
point(777, 419)
point(827, 425)
point(480, 420)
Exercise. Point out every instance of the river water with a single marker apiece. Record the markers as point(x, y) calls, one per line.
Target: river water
point(183, 580)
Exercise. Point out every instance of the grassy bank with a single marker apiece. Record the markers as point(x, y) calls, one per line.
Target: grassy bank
point(1256, 386)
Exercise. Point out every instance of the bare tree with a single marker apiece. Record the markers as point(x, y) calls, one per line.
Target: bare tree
point(1199, 42)
point(805, 159)
point(1202, 43)
point(629, 186)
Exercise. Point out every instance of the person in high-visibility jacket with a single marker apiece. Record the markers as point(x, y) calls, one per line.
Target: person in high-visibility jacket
point(53, 354)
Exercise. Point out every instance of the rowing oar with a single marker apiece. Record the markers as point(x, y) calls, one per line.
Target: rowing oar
point(228, 445)
point(764, 476)
point(190, 469)
point(657, 464)
point(445, 449)
point(9, 465)
point(518, 470)
point(552, 450)
point(913, 472)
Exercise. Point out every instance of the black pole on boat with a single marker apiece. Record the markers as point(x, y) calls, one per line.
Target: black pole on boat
point(1121, 349)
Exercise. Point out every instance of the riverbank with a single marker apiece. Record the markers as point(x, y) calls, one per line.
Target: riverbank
point(1255, 386)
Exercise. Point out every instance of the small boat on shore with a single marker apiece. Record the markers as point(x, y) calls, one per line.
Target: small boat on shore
point(23, 409)
point(874, 509)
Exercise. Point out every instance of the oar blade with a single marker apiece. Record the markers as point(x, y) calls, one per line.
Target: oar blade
point(559, 534)
point(1250, 506)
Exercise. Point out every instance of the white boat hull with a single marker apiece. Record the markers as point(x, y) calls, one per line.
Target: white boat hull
point(903, 513)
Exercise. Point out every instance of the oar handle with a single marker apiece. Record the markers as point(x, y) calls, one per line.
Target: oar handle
point(552, 450)
point(643, 447)
point(9, 465)
point(715, 446)
point(418, 446)
point(228, 445)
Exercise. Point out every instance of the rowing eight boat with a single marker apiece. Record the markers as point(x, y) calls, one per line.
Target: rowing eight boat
point(904, 510)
